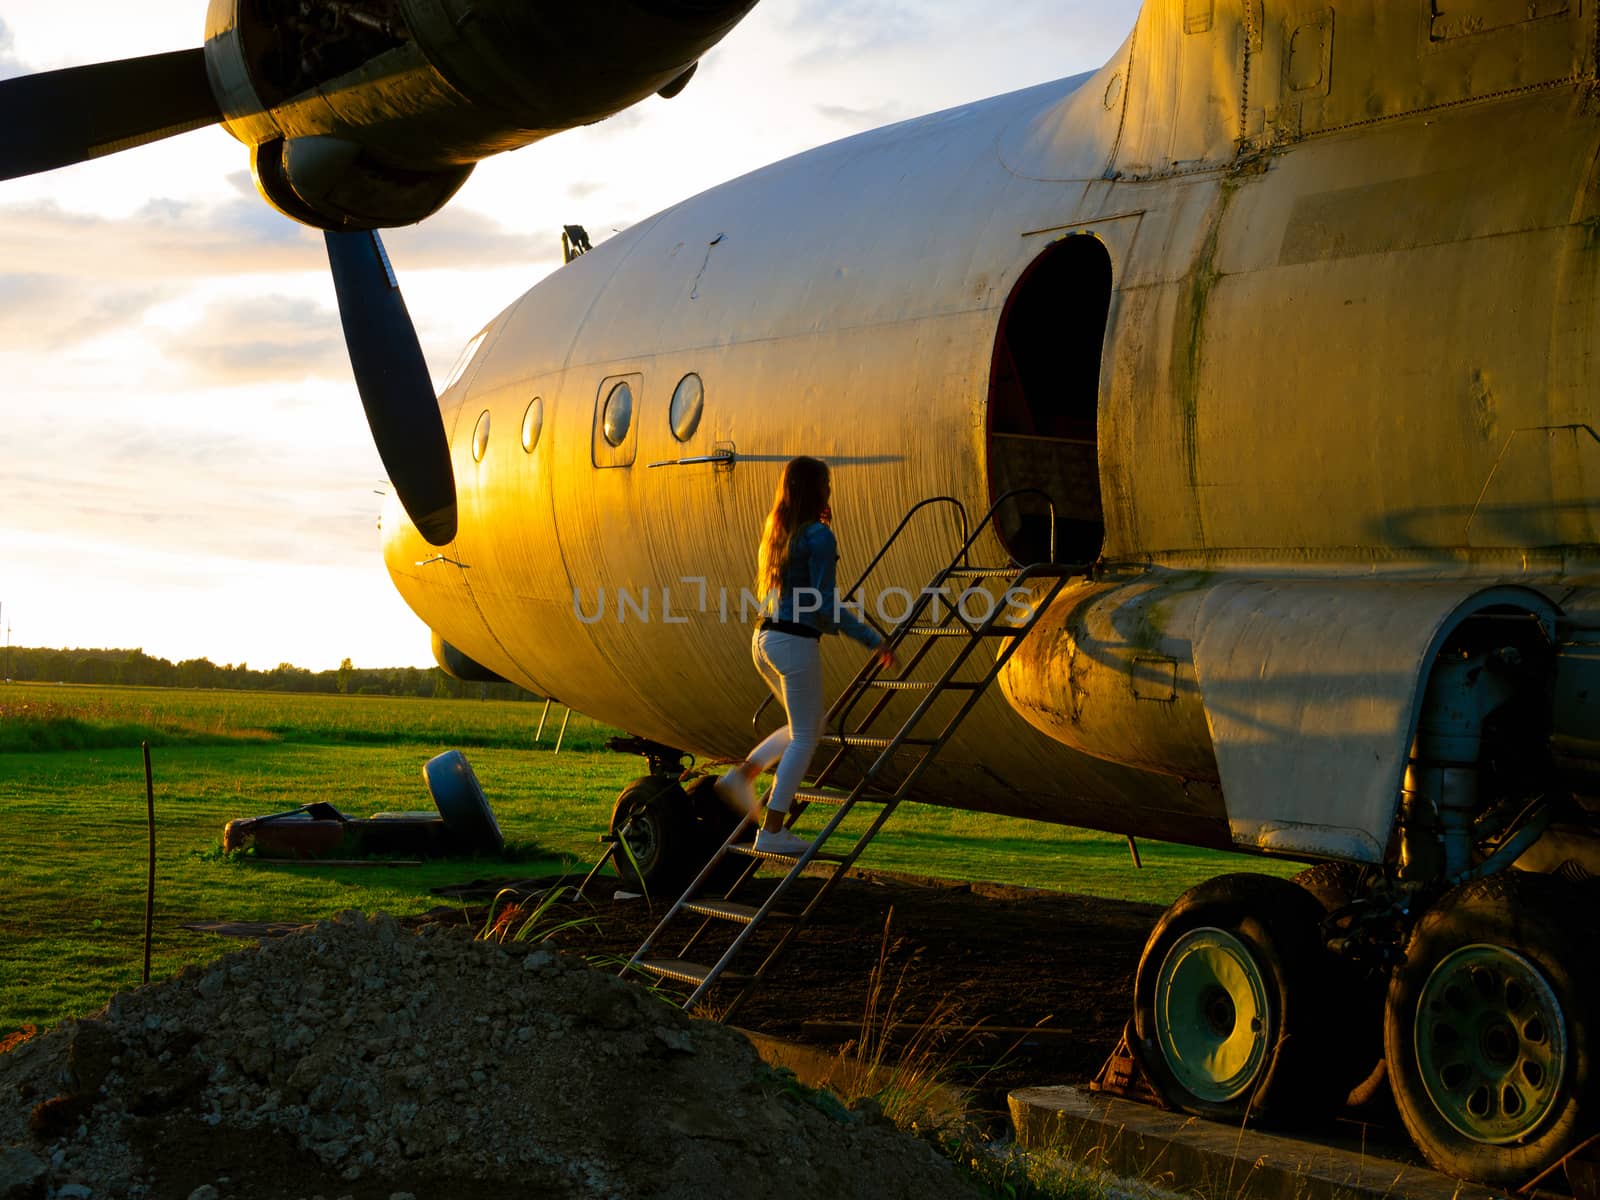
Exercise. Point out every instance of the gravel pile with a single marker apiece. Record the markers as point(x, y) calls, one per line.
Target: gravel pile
point(360, 1059)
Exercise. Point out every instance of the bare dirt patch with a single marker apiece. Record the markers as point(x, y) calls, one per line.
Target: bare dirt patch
point(974, 954)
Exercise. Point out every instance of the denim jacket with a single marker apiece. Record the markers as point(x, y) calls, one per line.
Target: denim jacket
point(810, 593)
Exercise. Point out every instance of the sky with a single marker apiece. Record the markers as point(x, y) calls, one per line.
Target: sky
point(184, 464)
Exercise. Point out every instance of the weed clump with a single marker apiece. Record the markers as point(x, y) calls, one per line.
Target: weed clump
point(531, 919)
point(919, 1075)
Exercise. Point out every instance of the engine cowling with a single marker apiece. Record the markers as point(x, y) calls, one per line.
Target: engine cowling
point(370, 113)
point(458, 665)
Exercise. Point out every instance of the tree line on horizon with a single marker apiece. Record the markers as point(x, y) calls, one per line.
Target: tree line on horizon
point(34, 664)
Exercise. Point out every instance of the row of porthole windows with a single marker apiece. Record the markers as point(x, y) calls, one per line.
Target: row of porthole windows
point(532, 425)
point(683, 416)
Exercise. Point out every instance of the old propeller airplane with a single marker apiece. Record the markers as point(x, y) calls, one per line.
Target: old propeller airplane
point(1273, 339)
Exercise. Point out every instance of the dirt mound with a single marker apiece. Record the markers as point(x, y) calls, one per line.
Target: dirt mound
point(359, 1059)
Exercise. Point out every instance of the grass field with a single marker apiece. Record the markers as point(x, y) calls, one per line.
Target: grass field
point(72, 823)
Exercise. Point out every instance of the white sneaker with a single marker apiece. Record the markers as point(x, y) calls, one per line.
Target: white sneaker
point(738, 791)
point(781, 841)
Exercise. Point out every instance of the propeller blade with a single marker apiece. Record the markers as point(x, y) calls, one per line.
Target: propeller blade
point(57, 118)
point(392, 378)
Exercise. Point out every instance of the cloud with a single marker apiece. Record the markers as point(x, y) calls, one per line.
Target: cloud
point(460, 238)
point(166, 239)
point(231, 495)
point(273, 338)
point(10, 65)
point(869, 37)
point(848, 29)
point(172, 239)
point(42, 312)
point(622, 122)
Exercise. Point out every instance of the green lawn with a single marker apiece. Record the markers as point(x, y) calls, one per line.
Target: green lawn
point(166, 716)
point(72, 824)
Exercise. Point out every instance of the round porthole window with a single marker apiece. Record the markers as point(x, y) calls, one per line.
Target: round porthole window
point(688, 399)
point(618, 415)
point(480, 437)
point(532, 423)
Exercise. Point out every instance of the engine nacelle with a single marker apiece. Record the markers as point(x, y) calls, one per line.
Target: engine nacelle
point(370, 113)
point(1107, 670)
point(458, 666)
point(330, 183)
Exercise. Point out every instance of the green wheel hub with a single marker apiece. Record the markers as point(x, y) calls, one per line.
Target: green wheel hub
point(1491, 1043)
point(1211, 1014)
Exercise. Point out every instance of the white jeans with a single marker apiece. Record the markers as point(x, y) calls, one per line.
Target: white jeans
point(792, 668)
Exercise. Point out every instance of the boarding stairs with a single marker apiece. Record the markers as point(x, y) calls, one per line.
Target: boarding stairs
point(860, 723)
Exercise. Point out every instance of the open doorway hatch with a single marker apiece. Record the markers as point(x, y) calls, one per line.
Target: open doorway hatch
point(1044, 393)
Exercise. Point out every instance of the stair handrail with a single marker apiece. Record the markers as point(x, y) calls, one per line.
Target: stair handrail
point(845, 703)
point(994, 511)
point(961, 512)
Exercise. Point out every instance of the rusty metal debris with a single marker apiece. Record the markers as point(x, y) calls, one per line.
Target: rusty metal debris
point(1123, 1076)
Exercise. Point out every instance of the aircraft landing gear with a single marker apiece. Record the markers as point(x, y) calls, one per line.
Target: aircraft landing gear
point(1338, 886)
point(1233, 999)
point(671, 831)
point(653, 817)
point(1488, 1028)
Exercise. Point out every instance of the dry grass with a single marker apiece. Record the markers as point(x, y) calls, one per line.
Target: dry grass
point(29, 723)
point(906, 1068)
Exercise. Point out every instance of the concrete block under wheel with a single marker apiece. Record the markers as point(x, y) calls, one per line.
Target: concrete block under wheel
point(1184, 1153)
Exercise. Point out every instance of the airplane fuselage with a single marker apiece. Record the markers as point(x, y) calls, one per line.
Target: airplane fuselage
point(1339, 380)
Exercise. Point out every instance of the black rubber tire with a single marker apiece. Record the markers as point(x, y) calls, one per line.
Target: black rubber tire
point(655, 817)
point(714, 821)
point(1278, 924)
point(1336, 885)
point(461, 803)
point(1539, 919)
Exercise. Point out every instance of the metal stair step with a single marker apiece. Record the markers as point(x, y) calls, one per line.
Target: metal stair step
point(827, 795)
point(684, 971)
point(922, 685)
point(873, 743)
point(729, 910)
point(749, 851)
point(982, 572)
point(963, 631)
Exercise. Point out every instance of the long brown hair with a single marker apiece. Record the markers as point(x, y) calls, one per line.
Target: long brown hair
point(802, 497)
